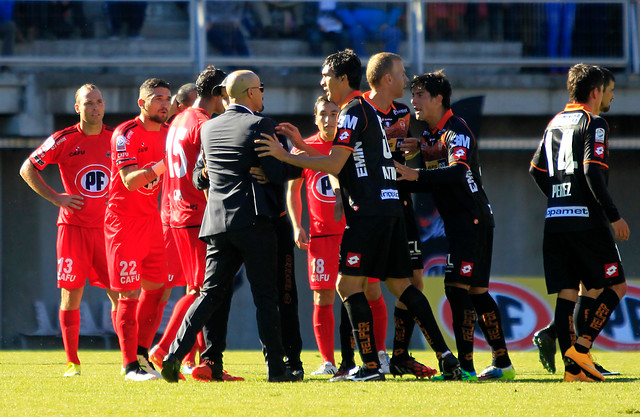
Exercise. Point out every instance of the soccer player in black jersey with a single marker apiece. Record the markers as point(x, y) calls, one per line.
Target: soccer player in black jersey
point(545, 339)
point(571, 168)
point(375, 242)
point(468, 221)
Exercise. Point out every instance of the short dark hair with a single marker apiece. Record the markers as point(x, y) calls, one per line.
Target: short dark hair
point(346, 63)
point(147, 87)
point(582, 80)
point(208, 79)
point(434, 83)
point(182, 96)
point(608, 77)
point(321, 100)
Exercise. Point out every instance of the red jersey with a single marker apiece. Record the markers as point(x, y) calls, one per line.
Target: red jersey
point(132, 144)
point(320, 196)
point(83, 161)
point(185, 203)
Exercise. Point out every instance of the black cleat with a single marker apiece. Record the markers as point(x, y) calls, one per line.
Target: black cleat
point(343, 372)
point(546, 344)
point(603, 371)
point(361, 374)
point(406, 364)
point(171, 368)
point(450, 368)
point(286, 376)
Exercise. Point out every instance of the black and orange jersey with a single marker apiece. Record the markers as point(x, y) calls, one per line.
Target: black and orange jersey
point(395, 122)
point(368, 178)
point(433, 150)
point(571, 168)
point(457, 188)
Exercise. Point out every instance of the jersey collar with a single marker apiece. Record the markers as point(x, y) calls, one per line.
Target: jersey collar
point(354, 94)
point(443, 120)
point(367, 96)
point(577, 106)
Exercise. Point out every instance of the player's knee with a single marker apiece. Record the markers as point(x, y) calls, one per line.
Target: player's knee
point(620, 289)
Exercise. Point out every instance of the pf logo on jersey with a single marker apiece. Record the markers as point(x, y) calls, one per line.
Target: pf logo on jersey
point(459, 153)
point(322, 189)
point(93, 181)
point(466, 269)
point(353, 259)
point(598, 150)
point(344, 135)
point(611, 270)
point(150, 187)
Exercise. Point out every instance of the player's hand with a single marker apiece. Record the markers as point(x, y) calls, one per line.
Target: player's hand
point(271, 146)
point(259, 175)
point(621, 230)
point(405, 173)
point(300, 237)
point(292, 132)
point(409, 146)
point(69, 202)
point(338, 208)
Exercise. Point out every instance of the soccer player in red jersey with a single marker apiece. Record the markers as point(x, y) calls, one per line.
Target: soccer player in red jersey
point(133, 232)
point(185, 203)
point(82, 154)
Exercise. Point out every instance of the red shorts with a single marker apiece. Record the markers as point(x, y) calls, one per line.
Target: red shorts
point(192, 253)
point(135, 251)
point(323, 257)
point(175, 273)
point(81, 256)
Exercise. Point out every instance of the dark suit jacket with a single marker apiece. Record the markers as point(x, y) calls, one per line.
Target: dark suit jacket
point(235, 197)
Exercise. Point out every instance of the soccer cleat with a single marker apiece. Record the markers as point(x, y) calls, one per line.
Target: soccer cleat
point(400, 365)
point(384, 362)
point(584, 361)
point(343, 372)
point(73, 369)
point(569, 377)
point(138, 375)
point(327, 368)
point(492, 372)
point(156, 356)
point(171, 368)
point(360, 374)
point(546, 345)
point(286, 376)
point(464, 376)
point(207, 371)
point(603, 371)
point(450, 368)
point(187, 367)
point(148, 367)
point(226, 376)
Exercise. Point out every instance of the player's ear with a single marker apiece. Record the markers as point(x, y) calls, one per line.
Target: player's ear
point(141, 103)
point(77, 107)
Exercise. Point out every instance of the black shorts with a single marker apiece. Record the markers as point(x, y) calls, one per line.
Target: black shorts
point(469, 258)
point(376, 247)
point(587, 256)
point(413, 236)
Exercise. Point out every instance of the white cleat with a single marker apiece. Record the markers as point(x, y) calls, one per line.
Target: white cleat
point(384, 362)
point(327, 368)
point(138, 375)
point(147, 367)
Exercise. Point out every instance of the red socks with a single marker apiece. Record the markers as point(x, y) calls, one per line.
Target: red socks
point(175, 320)
point(323, 329)
point(379, 311)
point(70, 327)
point(127, 329)
point(147, 316)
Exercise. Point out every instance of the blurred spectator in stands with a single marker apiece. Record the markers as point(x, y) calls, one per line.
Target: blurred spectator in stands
point(371, 22)
point(532, 23)
point(599, 30)
point(561, 18)
point(7, 28)
point(324, 25)
point(225, 28)
point(278, 19)
point(445, 21)
point(129, 13)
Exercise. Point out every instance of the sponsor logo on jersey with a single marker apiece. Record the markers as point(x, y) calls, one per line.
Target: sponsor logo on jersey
point(344, 135)
point(321, 188)
point(358, 159)
point(353, 259)
point(473, 187)
point(466, 269)
point(403, 110)
point(461, 141)
point(459, 153)
point(523, 312)
point(568, 211)
point(611, 270)
point(389, 194)
point(566, 119)
point(77, 151)
point(600, 135)
point(121, 144)
point(347, 121)
point(93, 181)
point(389, 173)
point(50, 143)
point(149, 188)
point(598, 150)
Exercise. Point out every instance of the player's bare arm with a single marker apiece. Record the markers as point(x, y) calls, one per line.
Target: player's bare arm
point(405, 173)
point(294, 208)
point(331, 164)
point(32, 177)
point(292, 132)
point(134, 177)
point(621, 230)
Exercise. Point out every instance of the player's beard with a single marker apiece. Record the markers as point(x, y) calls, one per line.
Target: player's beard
point(159, 118)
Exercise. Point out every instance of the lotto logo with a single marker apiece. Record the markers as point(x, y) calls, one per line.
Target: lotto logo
point(466, 269)
point(611, 270)
point(459, 153)
point(599, 150)
point(344, 135)
point(353, 259)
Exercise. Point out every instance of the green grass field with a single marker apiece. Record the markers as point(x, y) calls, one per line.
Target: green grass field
point(31, 384)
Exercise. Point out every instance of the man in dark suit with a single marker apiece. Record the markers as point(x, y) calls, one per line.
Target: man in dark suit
point(238, 227)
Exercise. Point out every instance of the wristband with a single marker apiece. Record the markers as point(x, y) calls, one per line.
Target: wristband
point(159, 168)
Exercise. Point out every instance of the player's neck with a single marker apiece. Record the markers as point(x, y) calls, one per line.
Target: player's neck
point(90, 129)
point(433, 121)
point(381, 100)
